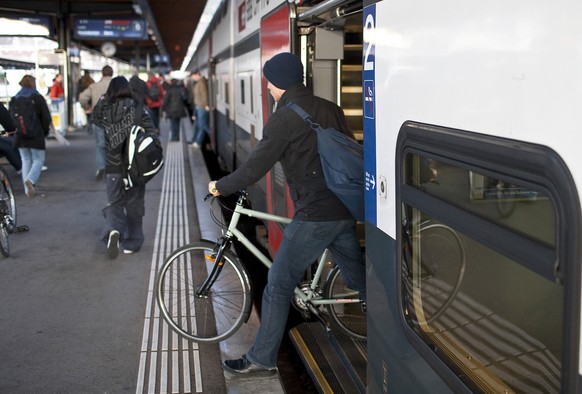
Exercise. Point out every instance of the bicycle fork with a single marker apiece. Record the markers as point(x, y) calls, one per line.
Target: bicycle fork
point(218, 264)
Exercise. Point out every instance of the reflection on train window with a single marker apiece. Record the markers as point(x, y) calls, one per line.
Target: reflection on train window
point(452, 286)
point(501, 201)
point(492, 319)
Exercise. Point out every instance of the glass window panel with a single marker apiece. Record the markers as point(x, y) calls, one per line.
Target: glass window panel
point(452, 287)
point(507, 203)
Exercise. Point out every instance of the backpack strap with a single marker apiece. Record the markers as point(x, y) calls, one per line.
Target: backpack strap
point(304, 115)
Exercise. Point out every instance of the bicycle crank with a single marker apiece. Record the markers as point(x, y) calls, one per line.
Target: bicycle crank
point(300, 304)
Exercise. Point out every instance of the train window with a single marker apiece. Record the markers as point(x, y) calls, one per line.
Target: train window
point(242, 91)
point(503, 201)
point(482, 264)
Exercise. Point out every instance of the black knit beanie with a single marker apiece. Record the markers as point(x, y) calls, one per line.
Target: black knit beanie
point(284, 70)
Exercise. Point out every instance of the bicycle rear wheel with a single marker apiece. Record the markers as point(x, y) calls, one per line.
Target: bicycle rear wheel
point(7, 196)
point(210, 317)
point(347, 314)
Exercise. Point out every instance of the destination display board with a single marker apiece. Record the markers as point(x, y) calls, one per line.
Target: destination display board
point(110, 28)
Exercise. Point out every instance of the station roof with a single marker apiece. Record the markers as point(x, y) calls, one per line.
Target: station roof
point(171, 23)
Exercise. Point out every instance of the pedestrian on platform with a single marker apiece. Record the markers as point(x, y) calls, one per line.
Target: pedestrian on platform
point(8, 138)
point(174, 107)
point(138, 87)
point(35, 119)
point(85, 81)
point(116, 113)
point(200, 108)
point(320, 219)
point(155, 98)
point(57, 92)
point(89, 99)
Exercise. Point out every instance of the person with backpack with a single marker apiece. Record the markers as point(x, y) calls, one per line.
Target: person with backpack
point(33, 118)
point(320, 219)
point(117, 112)
point(154, 98)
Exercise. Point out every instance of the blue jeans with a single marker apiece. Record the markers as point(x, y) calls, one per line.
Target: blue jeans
point(124, 212)
point(174, 129)
point(201, 127)
point(303, 243)
point(100, 146)
point(32, 162)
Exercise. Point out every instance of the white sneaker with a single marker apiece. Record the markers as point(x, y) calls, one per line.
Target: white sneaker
point(195, 145)
point(128, 251)
point(30, 192)
point(113, 244)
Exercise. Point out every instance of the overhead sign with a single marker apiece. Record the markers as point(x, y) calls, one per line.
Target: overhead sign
point(108, 28)
point(17, 25)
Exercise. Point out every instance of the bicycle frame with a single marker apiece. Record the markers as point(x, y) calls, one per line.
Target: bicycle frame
point(232, 231)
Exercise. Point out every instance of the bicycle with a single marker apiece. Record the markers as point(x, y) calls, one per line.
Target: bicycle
point(7, 212)
point(205, 294)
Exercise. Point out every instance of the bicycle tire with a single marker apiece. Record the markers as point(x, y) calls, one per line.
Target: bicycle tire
point(7, 195)
point(4, 243)
point(349, 317)
point(206, 318)
point(445, 272)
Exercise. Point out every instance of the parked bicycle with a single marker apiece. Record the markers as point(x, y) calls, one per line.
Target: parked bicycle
point(205, 294)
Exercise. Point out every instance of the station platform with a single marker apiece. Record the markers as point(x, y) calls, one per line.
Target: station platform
point(74, 321)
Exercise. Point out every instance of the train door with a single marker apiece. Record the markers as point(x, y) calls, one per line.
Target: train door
point(275, 37)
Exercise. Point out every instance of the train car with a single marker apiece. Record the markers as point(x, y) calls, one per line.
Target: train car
point(467, 112)
point(473, 220)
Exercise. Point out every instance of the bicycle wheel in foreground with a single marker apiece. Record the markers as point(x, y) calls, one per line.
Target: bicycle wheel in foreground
point(7, 196)
point(203, 316)
point(348, 316)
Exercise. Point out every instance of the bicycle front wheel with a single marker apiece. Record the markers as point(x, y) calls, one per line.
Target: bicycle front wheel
point(4, 244)
point(210, 316)
point(7, 199)
point(346, 312)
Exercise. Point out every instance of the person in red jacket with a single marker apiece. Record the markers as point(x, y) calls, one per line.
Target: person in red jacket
point(57, 92)
point(154, 98)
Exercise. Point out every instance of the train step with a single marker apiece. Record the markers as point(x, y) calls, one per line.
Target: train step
point(336, 362)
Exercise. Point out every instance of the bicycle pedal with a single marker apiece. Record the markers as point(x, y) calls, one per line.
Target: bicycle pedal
point(22, 229)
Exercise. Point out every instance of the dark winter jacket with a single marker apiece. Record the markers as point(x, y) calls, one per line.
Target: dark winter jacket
point(288, 139)
point(138, 88)
point(117, 118)
point(44, 116)
point(6, 119)
point(173, 102)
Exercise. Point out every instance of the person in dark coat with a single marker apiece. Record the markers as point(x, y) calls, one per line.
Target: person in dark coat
point(116, 113)
point(7, 139)
point(32, 150)
point(320, 219)
point(174, 107)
